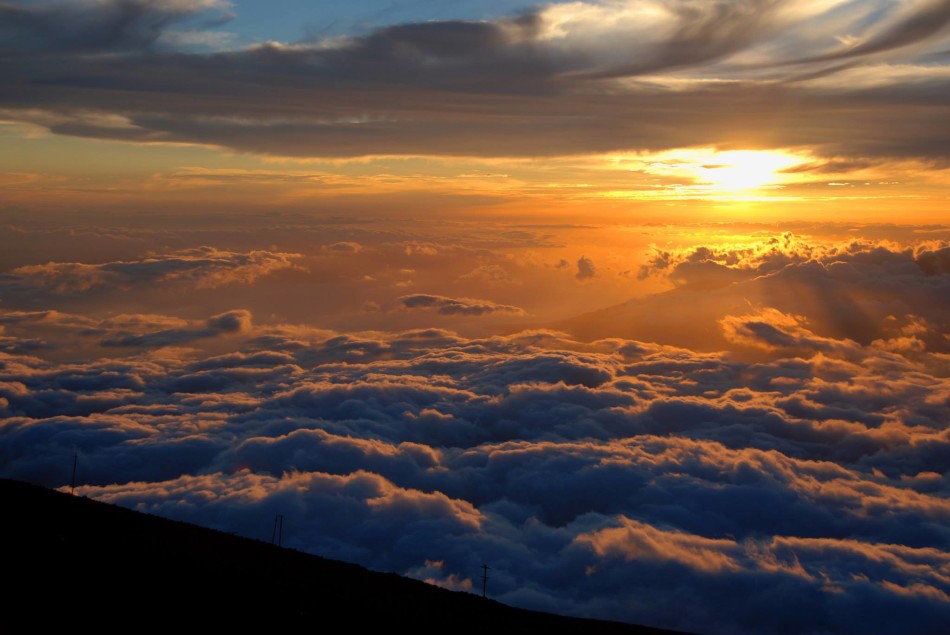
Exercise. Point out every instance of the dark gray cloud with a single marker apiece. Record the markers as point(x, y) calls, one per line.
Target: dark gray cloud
point(456, 306)
point(585, 268)
point(510, 87)
point(102, 26)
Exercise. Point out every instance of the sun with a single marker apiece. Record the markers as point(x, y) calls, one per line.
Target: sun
point(736, 171)
point(710, 173)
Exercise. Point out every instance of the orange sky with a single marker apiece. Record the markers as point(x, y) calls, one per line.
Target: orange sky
point(631, 300)
point(42, 171)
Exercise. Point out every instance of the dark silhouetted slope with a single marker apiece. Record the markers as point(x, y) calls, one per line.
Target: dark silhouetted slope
point(74, 561)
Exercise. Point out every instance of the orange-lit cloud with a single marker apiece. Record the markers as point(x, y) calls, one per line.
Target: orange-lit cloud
point(204, 267)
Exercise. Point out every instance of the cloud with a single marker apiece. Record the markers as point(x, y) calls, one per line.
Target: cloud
point(201, 268)
point(231, 322)
point(861, 290)
point(616, 478)
point(57, 319)
point(917, 23)
point(699, 34)
point(456, 306)
point(636, 541)
point(798, 451)
point(84, 27)
point(432, 573)
point(774, 330)
point(648, 74)
point(491, 274)
point(346, 247)
point(585, 268)
point(860, 569)
point(136, 330)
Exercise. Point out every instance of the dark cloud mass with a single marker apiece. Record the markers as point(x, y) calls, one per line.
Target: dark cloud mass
point(647, 74)
point(456, 306)
point(585, 268)
point(95, 26)
point(796, 483)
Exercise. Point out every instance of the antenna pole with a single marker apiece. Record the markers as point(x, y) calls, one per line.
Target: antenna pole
point(277, 536)
point(484, 580)
point(72, 482)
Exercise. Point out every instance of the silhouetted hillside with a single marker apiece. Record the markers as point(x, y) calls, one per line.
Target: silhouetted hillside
point(92, 564)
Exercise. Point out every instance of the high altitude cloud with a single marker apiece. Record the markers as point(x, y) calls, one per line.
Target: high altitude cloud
point(647, 74)
point(617, 478)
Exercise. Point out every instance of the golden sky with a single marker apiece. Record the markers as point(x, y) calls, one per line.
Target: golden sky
point(643, 303)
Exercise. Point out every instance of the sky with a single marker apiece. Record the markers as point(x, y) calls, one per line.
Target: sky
point(642, 303)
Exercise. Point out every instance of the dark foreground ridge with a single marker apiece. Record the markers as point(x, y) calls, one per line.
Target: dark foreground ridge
point(75, 561)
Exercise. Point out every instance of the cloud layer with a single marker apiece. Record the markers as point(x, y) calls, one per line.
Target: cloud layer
point(804, 490)
point(851, 78)
point(200, 268)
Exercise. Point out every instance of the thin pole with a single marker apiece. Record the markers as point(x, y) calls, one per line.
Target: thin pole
point(72, 482)
point(484, 580)
point(277, 536)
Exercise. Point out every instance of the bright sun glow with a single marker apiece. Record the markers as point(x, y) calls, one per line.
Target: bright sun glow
point(707, 173)
point(743, 170)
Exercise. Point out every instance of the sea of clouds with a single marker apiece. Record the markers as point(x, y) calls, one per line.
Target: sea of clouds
point(794, 480)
